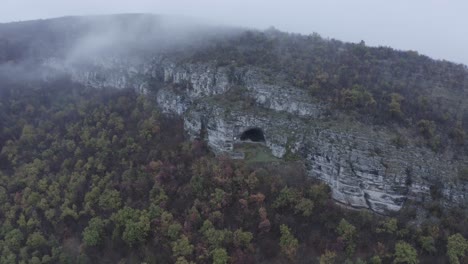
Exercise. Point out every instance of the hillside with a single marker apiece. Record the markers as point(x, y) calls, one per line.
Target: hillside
point(140, 138)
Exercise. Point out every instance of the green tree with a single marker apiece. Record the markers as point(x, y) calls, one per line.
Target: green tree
point(173, 231)
point(457, 247)
point(427, 244)
point(304, 207)
point(132, 225)
point(110, 200)
point(68, 212)
point(220, 256)
point(182, 260)
point(36, 240)
point(375, 260)
point(14, 239)
point(405, 253)
point(348, 232)
point(463, 173)
point(458, 134)
point(46, 259)
point(357, 97)
point(427, 128)
point(136, 232)
point(182, 247)
point(218, 198)
point(242, 239)
point(389, 226)
point(318, 193)
point(3, 195)
point(198, 185)
point(214, 237)
point(328, 257)
point(35, 260)
point(287, 196)
point(395, 105)
point(92, 234)
point(8, 257)
point(288, 243)
point(28, 134)
point(22, 221)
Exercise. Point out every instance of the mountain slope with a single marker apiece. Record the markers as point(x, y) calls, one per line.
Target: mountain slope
point(313, 98)
point(140, 138)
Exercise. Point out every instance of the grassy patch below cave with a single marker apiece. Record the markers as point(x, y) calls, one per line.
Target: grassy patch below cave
point(255, 152)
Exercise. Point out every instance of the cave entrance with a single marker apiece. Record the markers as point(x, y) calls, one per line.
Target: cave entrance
point(253, 134)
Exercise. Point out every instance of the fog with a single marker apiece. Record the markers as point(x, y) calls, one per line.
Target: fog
point(80, 37)
point(44, 50)
point(437, 28)
point(139, 33)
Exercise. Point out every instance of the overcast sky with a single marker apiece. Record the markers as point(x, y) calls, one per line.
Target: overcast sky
point(438, 28)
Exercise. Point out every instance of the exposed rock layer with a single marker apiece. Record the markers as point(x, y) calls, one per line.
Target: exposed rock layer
point(360, 164)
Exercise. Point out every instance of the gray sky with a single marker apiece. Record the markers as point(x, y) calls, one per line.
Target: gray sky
point(438, 28)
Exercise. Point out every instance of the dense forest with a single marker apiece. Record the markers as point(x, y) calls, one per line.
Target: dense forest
point(100, 176)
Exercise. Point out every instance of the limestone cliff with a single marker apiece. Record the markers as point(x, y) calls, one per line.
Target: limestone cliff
point(360, 163)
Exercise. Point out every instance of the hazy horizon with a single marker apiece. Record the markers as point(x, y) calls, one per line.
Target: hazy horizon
point(433, 28)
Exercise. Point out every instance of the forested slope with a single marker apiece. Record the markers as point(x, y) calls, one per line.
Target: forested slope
point(102, 176)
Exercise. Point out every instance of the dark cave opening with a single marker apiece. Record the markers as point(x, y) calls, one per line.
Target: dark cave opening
point(253, 134)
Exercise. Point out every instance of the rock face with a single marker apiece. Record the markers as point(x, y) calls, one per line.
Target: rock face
point(360, 164)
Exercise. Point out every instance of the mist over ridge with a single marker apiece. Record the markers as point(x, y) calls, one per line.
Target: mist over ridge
point(77, 38)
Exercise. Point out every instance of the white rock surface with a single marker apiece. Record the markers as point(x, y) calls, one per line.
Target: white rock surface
point(362, 167)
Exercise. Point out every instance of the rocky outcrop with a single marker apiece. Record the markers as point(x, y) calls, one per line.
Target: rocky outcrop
point(361, 165)
point(363, 169)
point(99, 73)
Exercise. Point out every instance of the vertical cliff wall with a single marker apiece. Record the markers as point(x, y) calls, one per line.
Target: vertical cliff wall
point(360, 163)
